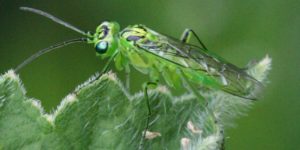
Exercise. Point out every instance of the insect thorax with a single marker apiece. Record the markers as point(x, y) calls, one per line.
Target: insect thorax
point(138, 34)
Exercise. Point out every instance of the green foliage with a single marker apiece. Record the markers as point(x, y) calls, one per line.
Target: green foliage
point(100, 114)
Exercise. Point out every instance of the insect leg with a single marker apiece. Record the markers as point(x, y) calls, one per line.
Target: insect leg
point(127, 75)
point(191, 88)
point(104, 70)
point(145, 88)
point(186, 35)
point(107, 65)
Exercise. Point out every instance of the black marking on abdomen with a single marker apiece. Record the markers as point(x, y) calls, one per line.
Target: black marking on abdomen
point(134, 38)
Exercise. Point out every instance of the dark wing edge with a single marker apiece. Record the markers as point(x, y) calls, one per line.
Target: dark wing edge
point(251, 91)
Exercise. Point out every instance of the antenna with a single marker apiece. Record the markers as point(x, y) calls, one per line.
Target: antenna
point(53, 18)
point(55, 46)
point(48, 49)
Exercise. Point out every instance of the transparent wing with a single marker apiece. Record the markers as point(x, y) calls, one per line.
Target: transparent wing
point(231, 78)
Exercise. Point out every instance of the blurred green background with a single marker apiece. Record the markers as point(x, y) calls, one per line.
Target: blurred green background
point(236, 30)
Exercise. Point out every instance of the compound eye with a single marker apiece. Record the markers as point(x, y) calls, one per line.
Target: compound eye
point(102, 47)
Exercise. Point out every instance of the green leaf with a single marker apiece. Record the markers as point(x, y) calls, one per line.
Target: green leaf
point(100, 114)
